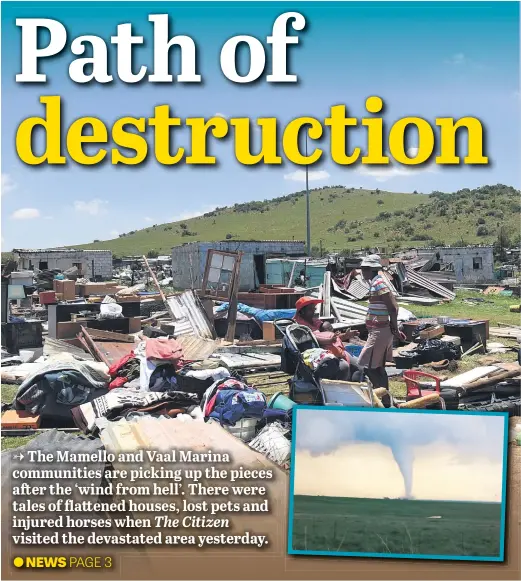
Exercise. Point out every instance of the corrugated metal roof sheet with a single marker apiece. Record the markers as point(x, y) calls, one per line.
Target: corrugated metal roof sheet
point(195, 348)
point(417, 279)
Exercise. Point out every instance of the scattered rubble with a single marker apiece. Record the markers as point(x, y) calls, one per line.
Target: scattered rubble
point(98, 355)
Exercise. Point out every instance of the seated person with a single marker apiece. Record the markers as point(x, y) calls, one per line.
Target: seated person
point(330, 340)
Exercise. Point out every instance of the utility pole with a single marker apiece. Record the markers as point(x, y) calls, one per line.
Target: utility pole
point(308, 217)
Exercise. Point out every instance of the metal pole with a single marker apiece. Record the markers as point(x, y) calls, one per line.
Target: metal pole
point(308, 217)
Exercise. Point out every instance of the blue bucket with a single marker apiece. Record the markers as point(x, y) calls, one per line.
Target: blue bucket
point(354, 350)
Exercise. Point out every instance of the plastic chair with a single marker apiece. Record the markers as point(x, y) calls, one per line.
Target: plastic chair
point(414, 384)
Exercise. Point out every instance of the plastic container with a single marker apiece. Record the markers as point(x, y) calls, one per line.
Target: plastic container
point(244, 429)
point(280, 402)
point(272, 442)
point(354, 350)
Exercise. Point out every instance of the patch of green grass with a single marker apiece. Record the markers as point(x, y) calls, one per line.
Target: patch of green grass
point(10, 442)
point(7, 392)
point(366, 525)
point(341, 218)
point(495, 308)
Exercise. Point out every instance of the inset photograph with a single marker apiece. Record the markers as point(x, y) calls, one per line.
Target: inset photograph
point(403, 484)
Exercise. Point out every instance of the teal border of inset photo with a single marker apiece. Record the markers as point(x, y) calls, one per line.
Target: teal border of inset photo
point(292, 551)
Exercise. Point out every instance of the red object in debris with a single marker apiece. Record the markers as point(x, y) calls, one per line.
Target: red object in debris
point(414, 384)
point(47, 297)
point(305, 301)
point(169, 350)
point(115, 367)
point(118, 382)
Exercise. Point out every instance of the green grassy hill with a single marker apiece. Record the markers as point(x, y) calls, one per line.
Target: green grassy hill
point(344, 218)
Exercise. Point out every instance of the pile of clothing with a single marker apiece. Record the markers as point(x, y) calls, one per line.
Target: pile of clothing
point(231, 400)
point(123, 402)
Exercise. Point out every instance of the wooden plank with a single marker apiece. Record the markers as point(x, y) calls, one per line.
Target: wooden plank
point(90, 342)
point(99, 335)
point(160, 290)
point(234, 299)
point(326, 290)
point(496, 378)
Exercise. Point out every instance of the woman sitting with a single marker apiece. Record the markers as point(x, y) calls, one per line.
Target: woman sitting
point(331, 341)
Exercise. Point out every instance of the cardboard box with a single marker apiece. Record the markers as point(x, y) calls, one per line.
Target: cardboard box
point(67, 288)
point(433, 332)
point(19, 420)
point(268, 331)
point(98, 288)
point(47, 297)
point(134, 324)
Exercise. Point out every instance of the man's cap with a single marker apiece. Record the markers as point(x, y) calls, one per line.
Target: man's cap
point(306, 301)
point(372, 261)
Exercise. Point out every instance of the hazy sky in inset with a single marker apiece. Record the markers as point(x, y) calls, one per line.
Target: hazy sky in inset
point(354, 454)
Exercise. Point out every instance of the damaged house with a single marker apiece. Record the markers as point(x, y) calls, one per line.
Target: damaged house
point(189, 260)
point(470, 264)
point(92, 264)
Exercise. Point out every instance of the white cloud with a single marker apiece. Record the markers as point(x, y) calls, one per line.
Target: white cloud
point(457, 59)
point(94, 207)
point(390, 171)
point(114, 233)
point(313, 175)
point(148, 219)
point(26, 214)
point(8, 184)
point(193, 214)
point(220, 115)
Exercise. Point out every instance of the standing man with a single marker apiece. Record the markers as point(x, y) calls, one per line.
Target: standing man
point(381, 322)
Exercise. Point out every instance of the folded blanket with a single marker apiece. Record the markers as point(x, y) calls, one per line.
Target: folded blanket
point(34, 390)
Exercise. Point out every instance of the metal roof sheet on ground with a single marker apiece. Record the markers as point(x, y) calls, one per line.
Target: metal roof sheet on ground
point(440, 276)
point(358, 311)
point(196, 348)
point(248, 360)
point(417, 279)
point(189, 315)
point(417, 264)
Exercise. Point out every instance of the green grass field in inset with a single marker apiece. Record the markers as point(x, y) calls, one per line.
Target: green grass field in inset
point(390, 526)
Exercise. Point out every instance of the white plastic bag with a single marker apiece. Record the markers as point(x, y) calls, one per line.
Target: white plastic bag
point(111, 311)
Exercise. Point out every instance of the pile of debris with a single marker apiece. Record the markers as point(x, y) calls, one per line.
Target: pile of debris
point(112, 355)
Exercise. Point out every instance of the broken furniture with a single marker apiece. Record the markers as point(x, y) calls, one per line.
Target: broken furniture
point(61, 325)
point(16, 336)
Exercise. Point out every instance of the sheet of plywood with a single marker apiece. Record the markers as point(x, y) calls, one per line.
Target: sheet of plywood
point(469, 376)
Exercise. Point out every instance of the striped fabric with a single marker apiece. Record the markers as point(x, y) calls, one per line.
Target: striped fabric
point(377, 314)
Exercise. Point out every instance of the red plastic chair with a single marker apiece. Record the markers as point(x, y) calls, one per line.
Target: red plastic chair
point(415, 388)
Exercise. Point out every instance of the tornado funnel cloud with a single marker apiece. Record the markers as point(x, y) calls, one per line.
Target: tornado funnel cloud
point(403, 456)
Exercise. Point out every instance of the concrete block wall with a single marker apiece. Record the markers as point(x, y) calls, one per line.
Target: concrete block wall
point(102, 263)
point(63, 260)
point(463, 260)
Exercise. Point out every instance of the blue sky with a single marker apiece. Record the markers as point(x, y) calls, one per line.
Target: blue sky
point(426, 59)
point(420, 455)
